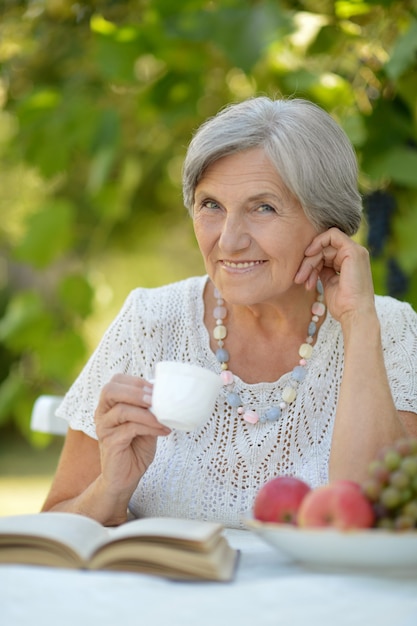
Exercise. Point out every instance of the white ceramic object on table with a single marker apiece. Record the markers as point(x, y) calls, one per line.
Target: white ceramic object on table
point(367, 549)
point(183, 394)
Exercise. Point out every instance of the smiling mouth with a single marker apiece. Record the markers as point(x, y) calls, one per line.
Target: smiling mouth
point(242, 264)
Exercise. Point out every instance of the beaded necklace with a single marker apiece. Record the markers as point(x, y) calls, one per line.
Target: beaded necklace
point(289, 393)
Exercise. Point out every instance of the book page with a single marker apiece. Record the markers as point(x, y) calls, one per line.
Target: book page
point(168, 560)
point(186, 548)
point(169, 530)
point(80, 533)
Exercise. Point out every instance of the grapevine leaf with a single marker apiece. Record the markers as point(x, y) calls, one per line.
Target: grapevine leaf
point(398, 165)
point(49, 234)
point(404, 53)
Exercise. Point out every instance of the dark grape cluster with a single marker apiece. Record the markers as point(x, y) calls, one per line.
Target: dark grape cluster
point(392, 486)
point(379, 207)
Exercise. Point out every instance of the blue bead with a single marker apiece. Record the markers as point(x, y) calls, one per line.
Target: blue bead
point(272, 414)
point(312, 327)
point(234, 399)
point(222, 355)
point(319, 287)
point(298, 373)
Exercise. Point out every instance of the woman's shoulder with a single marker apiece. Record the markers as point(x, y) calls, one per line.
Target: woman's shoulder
point(180, 296)
point(397, 318)
point(387, 307)
point(188, 287)
point(398, 321)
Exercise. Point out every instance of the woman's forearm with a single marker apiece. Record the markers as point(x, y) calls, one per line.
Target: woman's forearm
point(96, 502)
point(366, 417)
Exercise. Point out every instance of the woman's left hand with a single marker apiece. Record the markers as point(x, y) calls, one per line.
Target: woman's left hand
point(344, 268)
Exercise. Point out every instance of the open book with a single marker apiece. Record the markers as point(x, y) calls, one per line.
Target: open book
point(173, 548)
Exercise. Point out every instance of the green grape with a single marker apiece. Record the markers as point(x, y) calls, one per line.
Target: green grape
point(399, 479)
point(409, 465)
point(410, 510)
point(392, 459)
point(406, 495)
point(372, 489)
point(378, 470)
point(391, 486)
point(390, 497)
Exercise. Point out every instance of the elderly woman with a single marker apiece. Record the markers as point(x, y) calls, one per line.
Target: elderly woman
point(318, 372)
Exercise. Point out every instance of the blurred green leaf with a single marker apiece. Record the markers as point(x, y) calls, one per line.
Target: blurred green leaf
point(383, 3)
point(345, 9)
point(10, 390)
point(328, 38)
point(404, 228)
point(38, 103)
point(100, 168)
point(354, 127)
point(107, 130)
point(52, 133)
point(49, 234)
point(388, 126)
point(253, 28)
point(330, 91)
point(116, 48)
point(398, 165)
point(379, 275)
point(406, 87)
point(76, 294)
point(61, 357)
point(26, 324)
point(404, 53)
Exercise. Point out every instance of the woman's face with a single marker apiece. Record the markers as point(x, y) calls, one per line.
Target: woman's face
point(251, 231)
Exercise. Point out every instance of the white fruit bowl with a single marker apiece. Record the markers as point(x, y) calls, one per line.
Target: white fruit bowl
point(370, 549)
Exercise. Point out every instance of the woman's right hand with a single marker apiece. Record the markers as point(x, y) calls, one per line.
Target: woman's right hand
point(127, 433)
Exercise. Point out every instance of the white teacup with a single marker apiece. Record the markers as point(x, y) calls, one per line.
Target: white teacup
point(183, 395)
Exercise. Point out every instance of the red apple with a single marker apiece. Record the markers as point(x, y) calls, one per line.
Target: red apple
point(351, 483)
point(279, 500)
point(340, 504)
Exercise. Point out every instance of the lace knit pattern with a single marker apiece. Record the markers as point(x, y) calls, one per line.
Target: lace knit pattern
point(215, 472)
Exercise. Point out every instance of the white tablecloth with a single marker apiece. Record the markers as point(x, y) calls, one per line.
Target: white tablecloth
point(268, 590)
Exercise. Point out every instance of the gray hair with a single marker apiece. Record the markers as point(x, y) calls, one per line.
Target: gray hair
point(312, 155)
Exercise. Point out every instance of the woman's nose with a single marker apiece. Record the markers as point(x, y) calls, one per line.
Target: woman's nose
point(234, 235)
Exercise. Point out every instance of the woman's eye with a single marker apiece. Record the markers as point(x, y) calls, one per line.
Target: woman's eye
point(209, 204)
point(265, 208)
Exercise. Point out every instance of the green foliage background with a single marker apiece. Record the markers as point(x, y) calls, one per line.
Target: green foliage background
point(98, 101)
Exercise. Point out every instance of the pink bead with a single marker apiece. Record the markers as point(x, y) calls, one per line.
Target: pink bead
point(251, 416)
point(219, 312)
point(318, 308)
point(302, 362)
point(240, 410)
point(226, 377)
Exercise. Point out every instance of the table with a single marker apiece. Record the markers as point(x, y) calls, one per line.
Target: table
point(268, 590)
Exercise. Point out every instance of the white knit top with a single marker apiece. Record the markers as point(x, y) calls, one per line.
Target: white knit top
point(215, 472)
